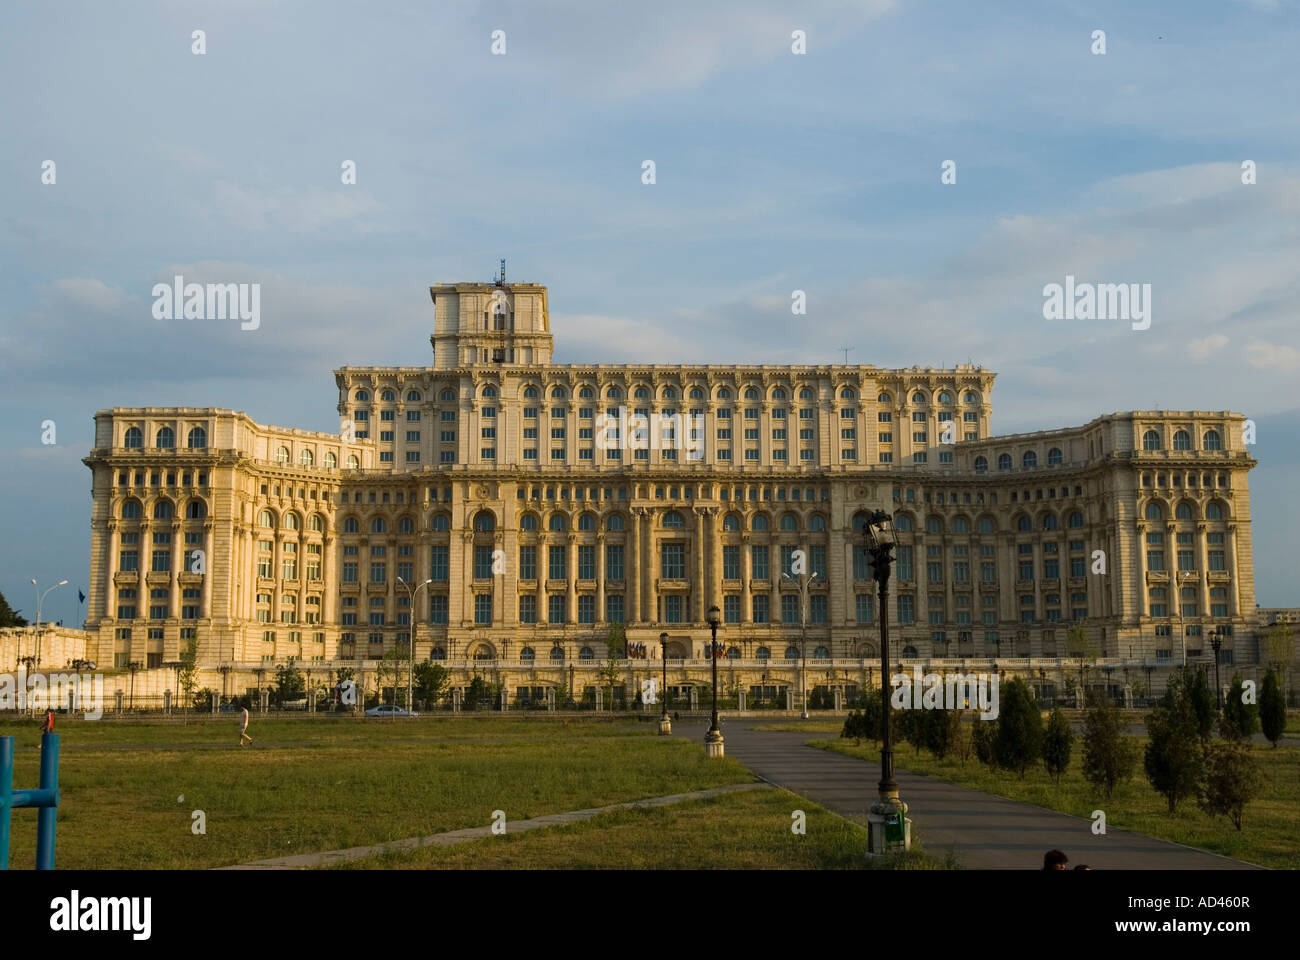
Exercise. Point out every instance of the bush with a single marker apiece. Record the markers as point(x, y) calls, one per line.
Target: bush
point(1018, 741)
point(941, 729)
point(1240, 719)
point(1272, 708)
point(1058, 741)
point(853, 725)
point(1174, 756)
point(1109, 755)
point(910, 725)
point(1232, 780)
point(1203, 703)
point(982, 737)
point(203, 700)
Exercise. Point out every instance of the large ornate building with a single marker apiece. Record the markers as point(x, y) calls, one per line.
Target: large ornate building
point(524, 493)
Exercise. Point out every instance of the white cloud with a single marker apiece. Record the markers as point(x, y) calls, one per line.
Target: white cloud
point(1206, 347)
point(1270, 356)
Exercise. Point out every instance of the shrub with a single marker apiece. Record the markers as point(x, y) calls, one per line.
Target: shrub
point(1018, 740)
point(1240, 719)
point(1174, 756)
point(1058, 740)
point(1272, 708)
point(1109, 756)
point(1232, 780)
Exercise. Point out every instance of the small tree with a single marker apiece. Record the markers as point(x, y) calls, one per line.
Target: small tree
point(853, 726)
point(392, 670)
point(432, 681)
point(188, 675)
point(9, 617)
point(289, 684)
point(202, 700)
point(1240, 720)
point(1203, 703)
point(1272, 707)
point(983, 733)
point(478, 689)
point(1232, 780)
point(609, 674)
point(616, 641)
point(1018, 741)
point(1080, 645)
point(1279, 649)
point(1174, 757)
point(1109, 755)
point(1058, 741)
point(941, 729)
point(911, 727)
point(872, 717)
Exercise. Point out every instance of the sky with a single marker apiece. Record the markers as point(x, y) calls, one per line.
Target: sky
point(775, 171)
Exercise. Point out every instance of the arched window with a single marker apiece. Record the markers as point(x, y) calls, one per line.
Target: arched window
point(353, 462)
point(447, 396)
point(971, 398)
point(530, 393)
point(918, 398)
point(960, 525)
point(1029, 460)
point(1183, 511)
point(902, 523)
point(1150, 440)
point(945, 396)
point(933, 524)
point(642, 394)
point(981, 465)
point(986, 525)
point(816, 523)
point(131, 510)
point(697, 393)
point(805, 394)
point(441, 523)
point(792, 652)
point(378, 525)
point(1212, 440)
point(586, 653)
point(821, 653)
point(282, 455)
point(759, 522)
point(166, 439)
point(909, 652)
point(587, 521)
point(163, 510)
point(1182, 440)
point(306, 458)
point(586, 393)
point(673, 519)
point(350, 525)
point(406, 525)
point(558, 393)
point(724, 393)
point(134, 439)
point(615, 522)
point(731, 522)
point(438, 653)
point(669, 393)
point(527, 653)
point(1213, 510)
point(763, 653)
point(613, 393)
point(489, 391)
point(362, 396)
point(331, 461)
point(198, 439)
point(733, 653)
point(751, 393)
point(557, 653)
point(196, 510)
point(557, 522)
point(1054, 457)
point(528, 521)
point(413, 396)
point(778, 394)
point(291, 521)
point(1024, 524)
point(485, 521)
point(1050, 522)
point(1004, 461)
point(316, 523)
point(389, 396)
point(1153, 511)
point(884, 398)
point(789, 522)
point(848, 393)
point(1075, 519)
point(266, 519)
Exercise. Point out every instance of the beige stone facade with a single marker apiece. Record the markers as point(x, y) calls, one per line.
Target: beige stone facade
point(520, 489)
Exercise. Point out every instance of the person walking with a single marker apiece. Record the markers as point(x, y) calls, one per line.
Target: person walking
point(243, 728)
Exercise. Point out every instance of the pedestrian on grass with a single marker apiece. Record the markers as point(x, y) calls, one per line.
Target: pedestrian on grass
point(243, 728)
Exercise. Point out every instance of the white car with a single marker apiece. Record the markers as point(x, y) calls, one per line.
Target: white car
point(390, 710)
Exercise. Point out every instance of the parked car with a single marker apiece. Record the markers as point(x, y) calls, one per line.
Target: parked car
point(390, 710)
point(300, 704)
point(229, 707)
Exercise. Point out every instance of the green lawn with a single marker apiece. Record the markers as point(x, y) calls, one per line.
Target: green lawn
point(333, 784)
point(1269, 828)
point(804, 726)
point(745, 831)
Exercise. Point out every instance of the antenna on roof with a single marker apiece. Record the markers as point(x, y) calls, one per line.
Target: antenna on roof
point(846, 353)
point(499, 280)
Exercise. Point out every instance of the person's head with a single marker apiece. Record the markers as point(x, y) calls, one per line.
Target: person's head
point(1055, 860)
point(1083, 866)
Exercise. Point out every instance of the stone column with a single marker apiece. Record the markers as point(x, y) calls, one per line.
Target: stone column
point(571, 574)
point(701, 595)
point(600, 577)
point(746, 575)
point(632, 564)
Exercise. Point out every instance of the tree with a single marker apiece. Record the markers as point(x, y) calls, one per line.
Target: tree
point(982, 736)
point(392, 670)
point(1058, 741)
point(940, 728)
point(289, 684)
point(478, 690)
point(1203, 703)
point(1232, 780)
point(1240, 719)
point(616, 641)
point(9, 617)
point(1272, 707)
point(872, 717)
point(853, 726)
point(432, 681)
point(188, 675)
point(609, 674)
point(1279, 649)
point(202, 700)
point(911, 727)
point(1080, 645)
point(1174, 757)
point(1109, 755)
point(1018, 740)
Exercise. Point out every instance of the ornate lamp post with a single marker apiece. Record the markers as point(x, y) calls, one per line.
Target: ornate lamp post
point(40, 599)
point(887, 824)
point(1216, 642)
point(665, 725)
point(713, 739)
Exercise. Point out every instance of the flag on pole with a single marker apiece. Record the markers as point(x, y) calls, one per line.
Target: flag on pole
point(81, 597)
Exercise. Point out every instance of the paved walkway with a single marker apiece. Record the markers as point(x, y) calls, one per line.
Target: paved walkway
point(985, 831)
point(309, 860)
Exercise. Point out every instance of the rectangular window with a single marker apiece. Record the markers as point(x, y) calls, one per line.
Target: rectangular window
point(379, 572)
point(527, 609)
point(439, 565)
point(483, 609)
point(906, 608)
point(482, 563)
point(905, 563)
point(759, 562)
point(437, 609)
point(731, 608)
point(673, 561)
point(614, 607)
point(789, 608)
point(527, 563)
point(1185, 560)
point(761, 605)
point(1155, 560)
point(555, 608)
point(865, 605)
point(586, 568)
point(557, 561)
point(1051, 568)
point(731, 563)
point(817, 608)
point(614, 562)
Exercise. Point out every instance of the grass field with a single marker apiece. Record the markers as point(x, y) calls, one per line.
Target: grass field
point(311, 786)
point(743, 831)
point(1270, 827)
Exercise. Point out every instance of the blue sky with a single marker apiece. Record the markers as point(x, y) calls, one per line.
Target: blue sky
point(775, 172)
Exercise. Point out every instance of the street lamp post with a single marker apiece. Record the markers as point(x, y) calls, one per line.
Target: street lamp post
point(40, 599)
point(1216, 642)
point(887, 824)
point(713, 739)
point(410, 663)
point(1179, 578)
point(803, 582)
point(665, 725)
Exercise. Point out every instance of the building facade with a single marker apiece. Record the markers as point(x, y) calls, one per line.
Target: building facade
point(544, 502)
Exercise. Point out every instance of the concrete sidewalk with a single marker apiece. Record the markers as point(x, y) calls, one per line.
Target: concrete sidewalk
point(986, 832)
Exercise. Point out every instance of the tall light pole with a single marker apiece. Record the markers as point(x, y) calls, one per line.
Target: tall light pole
point(887, 824)
point(40, 599)
point(713, 739)
point(803, 582)
point(1216, 642)
point(410, 663)
point(1178, 586)
point(665, 725)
